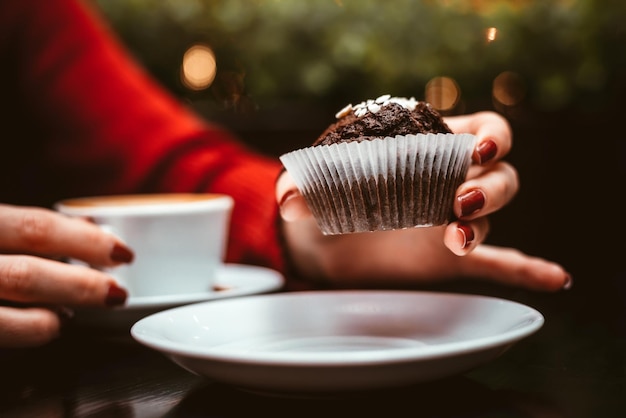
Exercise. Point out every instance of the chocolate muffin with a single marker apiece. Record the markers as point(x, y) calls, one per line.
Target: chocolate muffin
point(384, 117)
point(387, 163)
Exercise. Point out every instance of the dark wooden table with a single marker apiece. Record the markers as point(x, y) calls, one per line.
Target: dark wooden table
point(575, 366)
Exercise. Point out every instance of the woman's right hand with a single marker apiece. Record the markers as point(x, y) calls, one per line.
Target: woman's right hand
point(37, 289)
point(416, 256)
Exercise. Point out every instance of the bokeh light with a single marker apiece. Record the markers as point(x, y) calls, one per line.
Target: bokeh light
point(443, 93)
point(509, 88)
point(198, 68)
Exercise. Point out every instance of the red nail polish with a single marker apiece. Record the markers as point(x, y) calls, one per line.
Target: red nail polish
point(115, 296)
point(471, 202)
point(468, 234)
point(121, 254)
point(485, 151)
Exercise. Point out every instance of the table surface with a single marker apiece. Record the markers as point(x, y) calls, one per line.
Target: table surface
point(575, 366)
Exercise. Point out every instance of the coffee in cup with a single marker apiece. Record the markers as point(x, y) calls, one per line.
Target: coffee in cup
point(179, 239)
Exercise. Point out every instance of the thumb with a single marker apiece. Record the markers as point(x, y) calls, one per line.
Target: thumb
point(291, 203)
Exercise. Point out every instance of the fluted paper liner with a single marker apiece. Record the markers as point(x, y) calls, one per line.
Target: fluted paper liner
point(392, 183)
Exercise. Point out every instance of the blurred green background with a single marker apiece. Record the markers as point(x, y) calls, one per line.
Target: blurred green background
point(555, 68)
point(566, 52)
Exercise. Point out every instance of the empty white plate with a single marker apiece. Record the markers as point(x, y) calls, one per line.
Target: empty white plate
point(324, 342)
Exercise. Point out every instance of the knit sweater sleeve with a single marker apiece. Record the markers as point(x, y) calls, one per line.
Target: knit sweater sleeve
point(105, 126)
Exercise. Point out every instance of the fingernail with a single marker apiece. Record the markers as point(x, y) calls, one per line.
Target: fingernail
point(569, 282)
point(471, 202)
point(121, 254)
point(115, 296)
point(286, 197)
point(485, 151)
point(467, 233)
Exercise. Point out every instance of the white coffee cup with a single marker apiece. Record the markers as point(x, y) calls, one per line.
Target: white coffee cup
point(179, 239)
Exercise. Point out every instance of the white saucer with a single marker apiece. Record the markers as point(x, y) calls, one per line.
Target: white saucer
point(328, 342)
point(233, 280)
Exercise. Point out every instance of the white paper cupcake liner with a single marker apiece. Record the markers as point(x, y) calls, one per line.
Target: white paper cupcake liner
point(392, 183)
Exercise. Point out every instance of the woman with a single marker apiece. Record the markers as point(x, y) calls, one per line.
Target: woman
point(98, 124)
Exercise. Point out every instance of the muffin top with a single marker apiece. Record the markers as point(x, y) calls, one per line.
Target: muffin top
point(383, 117)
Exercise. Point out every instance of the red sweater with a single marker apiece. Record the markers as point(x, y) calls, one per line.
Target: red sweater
point(79, 117)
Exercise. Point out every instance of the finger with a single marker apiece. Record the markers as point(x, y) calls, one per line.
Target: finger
point(487, 193)
point(462, 237)
point(43, 232)
point(27, 327)
point(291, 203)
point(33, 280)
point(514, 268)
point(494, 137)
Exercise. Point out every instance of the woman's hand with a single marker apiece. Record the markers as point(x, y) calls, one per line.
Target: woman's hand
point(426, 255)
point(36, 289)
